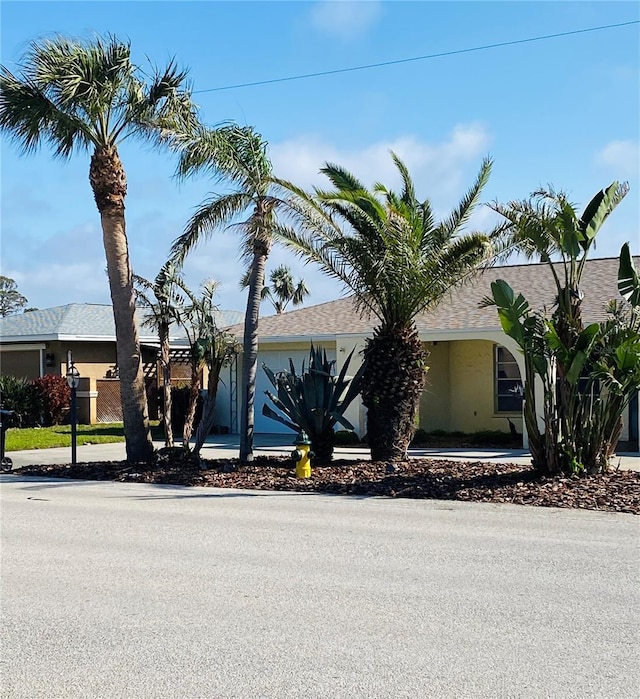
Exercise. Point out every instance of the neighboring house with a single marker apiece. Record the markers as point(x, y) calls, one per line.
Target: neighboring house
point(36, 343)
point(474, 368)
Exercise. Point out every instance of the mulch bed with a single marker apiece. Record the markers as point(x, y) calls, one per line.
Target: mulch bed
point(615, 491)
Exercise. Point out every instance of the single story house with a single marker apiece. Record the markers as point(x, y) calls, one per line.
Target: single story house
point(474, 368)
point(37, 343)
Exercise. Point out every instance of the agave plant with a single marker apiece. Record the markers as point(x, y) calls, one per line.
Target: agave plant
point(315, 400)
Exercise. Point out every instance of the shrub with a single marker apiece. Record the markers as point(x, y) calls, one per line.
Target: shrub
point(21, 396)
point(54, 396)
point(483, 438)
point(343, 438)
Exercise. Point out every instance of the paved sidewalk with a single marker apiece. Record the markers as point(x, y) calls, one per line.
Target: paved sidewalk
point(226, 446)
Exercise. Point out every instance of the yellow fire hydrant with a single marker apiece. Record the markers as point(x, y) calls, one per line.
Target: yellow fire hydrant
point(302, 456)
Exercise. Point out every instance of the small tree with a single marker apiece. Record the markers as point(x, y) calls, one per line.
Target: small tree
point(315, 400)
point(209, 347)
point(162, 313)
point(11, 301)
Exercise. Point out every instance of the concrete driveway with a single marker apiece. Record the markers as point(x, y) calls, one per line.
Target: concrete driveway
point(145, 591)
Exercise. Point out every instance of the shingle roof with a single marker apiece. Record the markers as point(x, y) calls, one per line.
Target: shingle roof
point(458, 310)
point(88, 321)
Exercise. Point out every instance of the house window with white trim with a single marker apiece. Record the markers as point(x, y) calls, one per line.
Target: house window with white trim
point(508, 383)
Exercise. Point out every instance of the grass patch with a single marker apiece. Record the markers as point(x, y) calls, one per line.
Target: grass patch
point(18, 439)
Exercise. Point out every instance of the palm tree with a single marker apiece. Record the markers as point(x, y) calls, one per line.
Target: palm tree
point(238, 155)
point(282, 290)
point(162, 313)
point(218, 349)
point(210, 347)
point(78, 95)
point(389, 252)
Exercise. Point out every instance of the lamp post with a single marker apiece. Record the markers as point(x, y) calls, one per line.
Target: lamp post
point(73, 379)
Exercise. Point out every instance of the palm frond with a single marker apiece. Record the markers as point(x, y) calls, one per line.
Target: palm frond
point(461, 214)
point(215, 212)
point(29, 117)
point(408, 195)
point(384, 246)
point(75, 93)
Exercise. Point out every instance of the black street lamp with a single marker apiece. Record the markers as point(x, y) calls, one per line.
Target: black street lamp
point(73, 379)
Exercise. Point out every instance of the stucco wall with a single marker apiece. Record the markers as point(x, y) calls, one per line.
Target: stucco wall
point(471, 365)
point(92, 359)
point(435, 403)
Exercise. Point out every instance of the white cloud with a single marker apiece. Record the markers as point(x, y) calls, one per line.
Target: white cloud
point(439, 170)
point(622, 157)
point(56, 283)
point(345, 19)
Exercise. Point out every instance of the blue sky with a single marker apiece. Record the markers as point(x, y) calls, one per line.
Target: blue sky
point(563, 111)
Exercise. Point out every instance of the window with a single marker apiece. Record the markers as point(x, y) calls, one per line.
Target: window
point(508, 385)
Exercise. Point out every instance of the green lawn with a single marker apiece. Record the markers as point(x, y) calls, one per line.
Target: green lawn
point(60, 436)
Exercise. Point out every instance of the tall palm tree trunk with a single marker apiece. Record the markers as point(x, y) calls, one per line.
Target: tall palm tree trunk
point(250, 350)
point(392, 384)
point(109, 185)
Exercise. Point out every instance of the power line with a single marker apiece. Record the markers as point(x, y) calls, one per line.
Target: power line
point(418, 58)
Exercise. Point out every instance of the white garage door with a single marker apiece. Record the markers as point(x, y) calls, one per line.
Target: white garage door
point(276, 361)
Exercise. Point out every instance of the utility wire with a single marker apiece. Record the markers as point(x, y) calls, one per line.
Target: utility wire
point(418, 58)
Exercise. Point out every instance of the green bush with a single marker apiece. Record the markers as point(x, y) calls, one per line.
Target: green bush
point(421, 435)
point(456, 438)
point(344, 438)
point(21, 396)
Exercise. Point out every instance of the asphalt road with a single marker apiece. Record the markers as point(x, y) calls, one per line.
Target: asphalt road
point(137, 591)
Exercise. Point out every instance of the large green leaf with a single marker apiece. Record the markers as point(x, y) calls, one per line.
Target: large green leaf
point(269, 412)
point(628, 355)
point(512, 310)
point(628, 279)
point(599, 208)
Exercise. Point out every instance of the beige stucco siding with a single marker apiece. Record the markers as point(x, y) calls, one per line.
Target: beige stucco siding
point(471, 367)
point(92, 359)
point(435, 404)
point(472, 388)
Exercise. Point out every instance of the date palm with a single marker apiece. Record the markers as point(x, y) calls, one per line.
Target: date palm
point(239, 156)
point(397, 261)
point(89, 96)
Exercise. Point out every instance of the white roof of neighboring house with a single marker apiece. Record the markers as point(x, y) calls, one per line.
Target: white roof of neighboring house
point(85, 322)
point(458, 311)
